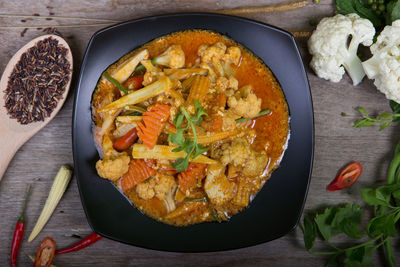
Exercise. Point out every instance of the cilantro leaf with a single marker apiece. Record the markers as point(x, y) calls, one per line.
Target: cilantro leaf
point(191, 147)
point(384, 224)
point(178, 120)
point(325, 223)
point(348, 220)
point(200, 111)
point(177, 138)
point(180, 164)
point(360, 257)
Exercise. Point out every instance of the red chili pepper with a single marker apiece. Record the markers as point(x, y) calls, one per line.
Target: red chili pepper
point(135, 82)
point(126, 141)
point(171, 124)
point(19, 231)
point(45, 253)
point(346, 177)
point(87, 241)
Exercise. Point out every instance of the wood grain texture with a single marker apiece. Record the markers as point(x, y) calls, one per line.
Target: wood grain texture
point(336, 144)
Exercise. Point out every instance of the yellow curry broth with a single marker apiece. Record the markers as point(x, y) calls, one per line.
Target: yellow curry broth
point(271, 130)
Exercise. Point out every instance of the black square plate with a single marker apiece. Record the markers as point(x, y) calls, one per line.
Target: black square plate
point(278, 206)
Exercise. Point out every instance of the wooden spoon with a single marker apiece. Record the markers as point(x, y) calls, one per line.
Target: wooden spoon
point(13, 134)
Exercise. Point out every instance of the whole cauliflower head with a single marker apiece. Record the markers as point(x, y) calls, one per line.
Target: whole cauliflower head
point(331, 50)
point(384, 66)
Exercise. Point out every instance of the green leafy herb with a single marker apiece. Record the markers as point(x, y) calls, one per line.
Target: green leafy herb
point(192, 148)
point(346, 220)
point(384, 119)
point(380, 14)
point(115, 82)
point(343, 114)
point(263, 112)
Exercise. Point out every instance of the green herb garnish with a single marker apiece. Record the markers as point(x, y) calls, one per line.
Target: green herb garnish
point(203, 199)
point(384, 119)
point(140, 67)
point(343, 114)
point(263, 112)
point(380, 14)
point(115, 83)
point(192, 148)
point(346, 219)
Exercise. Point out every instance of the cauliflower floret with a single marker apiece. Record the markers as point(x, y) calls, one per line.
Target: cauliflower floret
point(145, 190)
point(165, 184)
point(245, 107)
point(330, 50)
point(217, 187)
point(233, 83)
point(212, 53)
point(233, 55)
point(229, 120)
point(255, 164)
point(161, 186)
point(173, 57)
point(113, 168)
point(384, 66)
point(152, 74)
point(221, 84)
point(236, 153)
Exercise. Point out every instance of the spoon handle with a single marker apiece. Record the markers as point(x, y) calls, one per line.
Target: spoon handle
point(9, 145)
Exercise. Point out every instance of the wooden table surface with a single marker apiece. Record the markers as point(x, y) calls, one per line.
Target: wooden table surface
point(336, 143)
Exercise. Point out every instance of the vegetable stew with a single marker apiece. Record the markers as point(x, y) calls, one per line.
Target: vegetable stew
point(211, 125)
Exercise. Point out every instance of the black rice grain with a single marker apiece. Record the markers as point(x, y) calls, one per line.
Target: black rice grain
point(37, 82)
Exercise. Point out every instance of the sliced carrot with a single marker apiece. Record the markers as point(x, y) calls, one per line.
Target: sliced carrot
point(192, 176)
point(138, 172)
point(153, 123)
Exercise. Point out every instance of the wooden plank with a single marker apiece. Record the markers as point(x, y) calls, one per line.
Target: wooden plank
point(337, 143)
